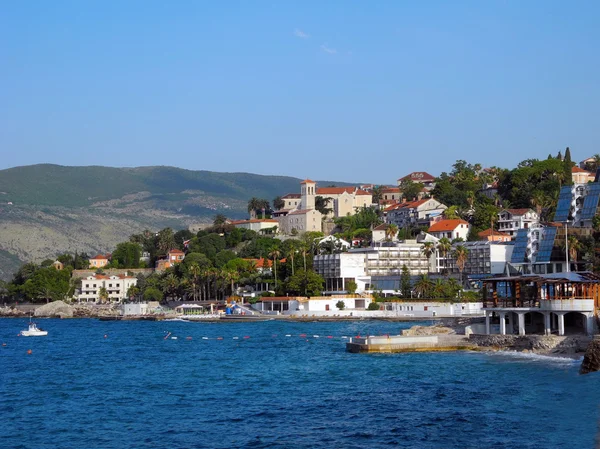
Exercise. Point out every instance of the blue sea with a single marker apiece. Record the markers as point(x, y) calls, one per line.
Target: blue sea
point(273, 384)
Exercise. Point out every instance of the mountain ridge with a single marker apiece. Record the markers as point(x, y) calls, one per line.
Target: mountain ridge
point(58, 208)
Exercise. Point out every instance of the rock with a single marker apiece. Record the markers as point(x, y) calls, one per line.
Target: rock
point(591, 359)
point(427, 330)
point(55, 309)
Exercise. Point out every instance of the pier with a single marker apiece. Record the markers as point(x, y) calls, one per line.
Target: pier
point(400, 343)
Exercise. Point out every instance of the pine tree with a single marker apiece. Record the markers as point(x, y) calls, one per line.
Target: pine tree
point(405, 282)
point(568, 166)
point(559, 156)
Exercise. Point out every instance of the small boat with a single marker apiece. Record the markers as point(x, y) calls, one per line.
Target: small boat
point(34, 331)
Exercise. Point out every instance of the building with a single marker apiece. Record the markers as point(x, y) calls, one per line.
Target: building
point(365, 265)
point(511, 220)
point(58, 265)
point(99, 261)
point(380, 234)
point(414, 213)
point(483, 258)
point(581, 176)
point(339, 269)
point(116, 287)
point(450, 229)
point(299, 213)
point(314, 306)
point(345, 200)
point(257, 224)
point(578, 205)
point(491, 235)
point(174, 256)
point(424, 178)
point(390, 195)
point(559, 303)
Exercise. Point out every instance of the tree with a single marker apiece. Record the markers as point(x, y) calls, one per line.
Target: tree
point(103, 294)
point(391, 231)
point(451, 213)
point(461, 254)
point(444, 246)
point(275, 255)
point(307, 283)
point(423, 287)
point(219, 220)
point(405, 287)
point(340, 304)
point(278, 203)
point(377, 194)
point(165, 240)
point(568, 167)
point(153, 294)
point(428, 249)
point(127, 255)
point(351, 287)
point(321, 205)
point(132, 292)
point(410, 190)
point(574, 247)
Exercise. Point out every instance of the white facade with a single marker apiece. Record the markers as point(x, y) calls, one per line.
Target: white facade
point(414, 212)
point(337, 269)
point(138, 308)
point(511, 220)
point(115, 285)
point(483, 257)
point(256, 224)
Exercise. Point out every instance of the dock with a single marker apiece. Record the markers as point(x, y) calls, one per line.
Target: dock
point(399, 343)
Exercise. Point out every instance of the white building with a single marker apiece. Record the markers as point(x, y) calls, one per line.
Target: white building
point(315, 306)
point(511, 220)
point(483, 257)
point(450, 229)
point(256, 224)
point(414, 213)
point(116, 287)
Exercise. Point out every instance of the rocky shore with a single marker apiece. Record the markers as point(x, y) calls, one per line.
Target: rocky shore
point(60, 309)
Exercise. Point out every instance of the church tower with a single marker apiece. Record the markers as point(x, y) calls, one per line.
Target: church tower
point(307, 191)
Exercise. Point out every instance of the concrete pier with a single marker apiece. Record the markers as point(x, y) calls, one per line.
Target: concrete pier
point(399, 343)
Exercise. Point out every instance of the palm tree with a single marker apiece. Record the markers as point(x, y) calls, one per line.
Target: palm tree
point(194, 271)
point(166, 240)
point(291, 253)
point(253, 206)
point(423, 286)
point(574, 247)
point(170, 285)
point(391, 231)
point(428, 249)
point(451, 213)
point(103, 294)
point(275, 254)
point(444, 246)
point(461, 254)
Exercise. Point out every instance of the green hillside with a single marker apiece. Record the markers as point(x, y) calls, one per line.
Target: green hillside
point(57, 209)
point(56, 185)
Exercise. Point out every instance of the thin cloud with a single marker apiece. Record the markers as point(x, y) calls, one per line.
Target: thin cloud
point(301, 34)
point(326, 49)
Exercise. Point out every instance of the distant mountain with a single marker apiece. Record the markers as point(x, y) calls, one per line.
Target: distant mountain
point(48, 209)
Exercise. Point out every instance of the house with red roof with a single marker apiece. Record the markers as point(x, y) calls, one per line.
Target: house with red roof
point(581, 176)
point(99, 261)
point(511, 220)
point(420, 176)
point(450, 229)
point(116, 287)
point(414, 213)
point(491, 235)
point(299, 214)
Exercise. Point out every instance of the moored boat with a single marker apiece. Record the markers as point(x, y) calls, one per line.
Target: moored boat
point(33, 331)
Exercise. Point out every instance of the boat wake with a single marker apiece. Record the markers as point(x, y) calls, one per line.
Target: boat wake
point(533, 357)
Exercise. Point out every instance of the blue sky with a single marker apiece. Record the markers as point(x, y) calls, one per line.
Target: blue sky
point(341, 90)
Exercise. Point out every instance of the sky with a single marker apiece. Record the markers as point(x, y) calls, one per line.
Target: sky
point(339, 90)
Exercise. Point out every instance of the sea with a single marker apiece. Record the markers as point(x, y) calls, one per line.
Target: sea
point(277, 384)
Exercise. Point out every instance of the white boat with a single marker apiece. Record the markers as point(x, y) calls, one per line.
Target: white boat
point(34, 331)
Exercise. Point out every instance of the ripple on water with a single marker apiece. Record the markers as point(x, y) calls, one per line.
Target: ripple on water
point(136, 389)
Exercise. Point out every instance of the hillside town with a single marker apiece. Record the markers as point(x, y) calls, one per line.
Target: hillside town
point(495, 242)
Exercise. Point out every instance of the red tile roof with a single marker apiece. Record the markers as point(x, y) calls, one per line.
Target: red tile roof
point(419, 176)
point(521, 211)
point(381, 227)
point(100, 256)
point(291, 195)
point(489, 232)
point(446, 225)
point(299, 212)
point(176, 251)
point(578, 170)
point(308, 181)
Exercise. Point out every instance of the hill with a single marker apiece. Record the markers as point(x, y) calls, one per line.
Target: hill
point(57, 208)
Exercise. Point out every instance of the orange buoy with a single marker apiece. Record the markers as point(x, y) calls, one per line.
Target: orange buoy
point(29, 351)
